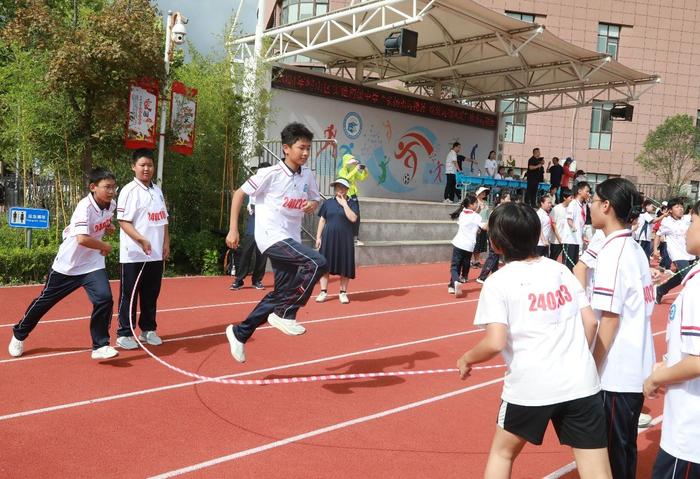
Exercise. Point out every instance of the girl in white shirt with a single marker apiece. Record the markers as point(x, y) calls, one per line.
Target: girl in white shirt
point(679, 455)
point(536, 314)
point(464, 241)
point(623, 298)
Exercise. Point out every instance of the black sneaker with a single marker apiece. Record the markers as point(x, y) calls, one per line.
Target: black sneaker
point(238, 284)
point(258, 285)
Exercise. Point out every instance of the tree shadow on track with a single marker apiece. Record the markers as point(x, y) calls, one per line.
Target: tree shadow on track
point(408, 361)
point(374, 295)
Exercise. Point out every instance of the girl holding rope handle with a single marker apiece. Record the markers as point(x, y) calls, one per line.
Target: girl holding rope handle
point(679, 373)
point(537, 315)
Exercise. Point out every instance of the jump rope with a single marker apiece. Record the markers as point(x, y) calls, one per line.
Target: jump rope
point(306, 379)
point(285, 380)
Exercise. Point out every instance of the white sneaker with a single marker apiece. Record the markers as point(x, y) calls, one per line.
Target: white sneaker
point(150, 337)
point(321, 297)
point(105, 352)
point(16, 347)
point(644, 420)
point(458, 289)
point(480, 281)
point(447, 202)
point(237, 347)
point(450, 290)
point(359, 243)
point(344, 298)
point(127, 342)
point(287, 326)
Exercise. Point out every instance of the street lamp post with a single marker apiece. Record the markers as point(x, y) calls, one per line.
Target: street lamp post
point(174, 34)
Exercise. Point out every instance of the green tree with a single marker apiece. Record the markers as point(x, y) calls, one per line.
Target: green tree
point(671, 153)
point(92, 55)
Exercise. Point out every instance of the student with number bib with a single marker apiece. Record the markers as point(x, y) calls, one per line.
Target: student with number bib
point(679, 455)
point(623, 299)
point(144, 244)
point(283, 194)
point(536, 314)
point(80, 262)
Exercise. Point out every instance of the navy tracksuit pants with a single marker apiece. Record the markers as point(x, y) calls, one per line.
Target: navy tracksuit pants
point(57, 287)
point(297, 269)
point(147, 292)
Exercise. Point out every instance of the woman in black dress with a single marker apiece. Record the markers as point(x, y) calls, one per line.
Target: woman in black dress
point(334, 238)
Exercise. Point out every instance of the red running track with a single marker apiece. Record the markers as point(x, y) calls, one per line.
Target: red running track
point(64, 415)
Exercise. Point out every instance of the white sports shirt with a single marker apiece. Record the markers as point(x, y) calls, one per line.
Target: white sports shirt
point(143, 206)
point(545, 227)
point(469, 223)
point(558, 215)
point(547, 353)
point(680, 433)
point(644, 226)
point(451, 162)
point(491, 167)
point(674, 231)
point(88, 219)
point(576, 212)
point(280, 194)
point(589, 258)
point(622, 285)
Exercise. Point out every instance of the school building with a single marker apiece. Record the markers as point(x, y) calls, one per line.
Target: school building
point(658, 37)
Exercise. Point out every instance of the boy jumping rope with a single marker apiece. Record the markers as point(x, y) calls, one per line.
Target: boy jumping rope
point(283, 194)
point(80, 262)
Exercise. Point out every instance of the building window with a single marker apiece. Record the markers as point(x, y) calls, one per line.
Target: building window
point(515, 124)
point(601, 127)
point(525, 17)
point(297, 10)
point(608, 39)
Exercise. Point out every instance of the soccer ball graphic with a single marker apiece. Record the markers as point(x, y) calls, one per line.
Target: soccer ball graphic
point(406, 179)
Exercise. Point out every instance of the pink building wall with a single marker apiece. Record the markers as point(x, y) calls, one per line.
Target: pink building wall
point(657, 37)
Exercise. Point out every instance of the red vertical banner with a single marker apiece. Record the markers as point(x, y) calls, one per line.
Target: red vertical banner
point(183, 113)
point(141, 127)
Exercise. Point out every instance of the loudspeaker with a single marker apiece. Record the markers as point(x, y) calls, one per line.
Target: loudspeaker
point(622, 111)
point(403, 42)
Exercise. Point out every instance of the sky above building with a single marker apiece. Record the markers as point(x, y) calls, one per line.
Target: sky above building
point(208, 20)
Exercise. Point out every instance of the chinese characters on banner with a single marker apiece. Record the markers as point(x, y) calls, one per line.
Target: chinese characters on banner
point(183, 111)
point(345, 91)
point(141, 130)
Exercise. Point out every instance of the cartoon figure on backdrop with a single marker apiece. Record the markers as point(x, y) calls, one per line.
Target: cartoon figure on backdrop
point(387, 130)
point(353, 171)
point(407, 153)
point(383, 167)
point(329, 134)
point(472, 154)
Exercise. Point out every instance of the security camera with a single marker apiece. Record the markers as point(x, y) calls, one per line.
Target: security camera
point(179, 32)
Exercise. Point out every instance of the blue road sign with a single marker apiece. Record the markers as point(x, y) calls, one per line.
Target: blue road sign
point(28, 218)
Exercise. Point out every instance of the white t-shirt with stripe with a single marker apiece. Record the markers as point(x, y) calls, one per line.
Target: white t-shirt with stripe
point(622, 285)
point(143, 206)
point(674, 231)
point(547, 353)
point(280, 195)
point(680, 433)
point(88, 219)
point(577, 213)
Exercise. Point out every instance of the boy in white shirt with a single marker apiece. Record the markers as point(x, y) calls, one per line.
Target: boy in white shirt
point(536, 314)
point(558, 216)
point(623, 297)
point(548, 229)
point(572, 235)
point(80, 262)
point(646, 220)
point(144, 245)
point(679, 455)
point(674, 228)
point(451, 167)
point(283, 193)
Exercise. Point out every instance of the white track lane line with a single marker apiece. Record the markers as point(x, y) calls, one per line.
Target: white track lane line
point(323, 430)
point(562, 471)
point(239, 303)
point(314, 321)
point(142, 392)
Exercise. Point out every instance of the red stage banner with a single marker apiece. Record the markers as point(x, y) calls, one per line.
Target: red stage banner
point(183, 113)
point(141, 126)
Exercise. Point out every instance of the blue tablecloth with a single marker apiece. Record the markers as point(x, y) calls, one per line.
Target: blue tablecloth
point(465, 181)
